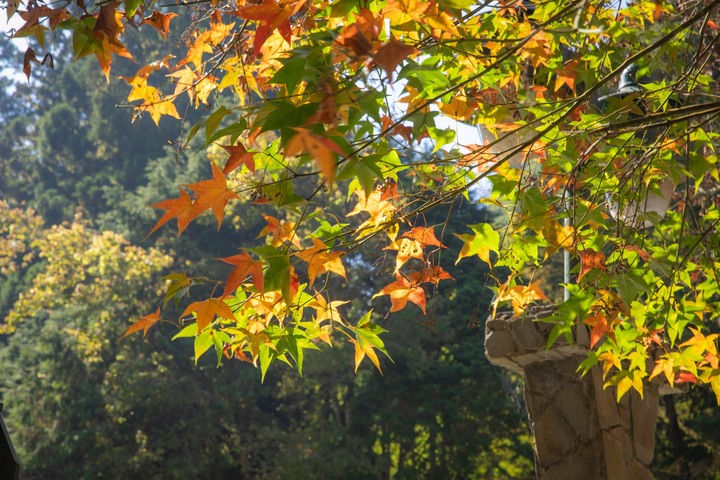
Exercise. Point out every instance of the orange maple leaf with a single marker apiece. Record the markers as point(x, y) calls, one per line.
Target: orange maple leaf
point(244, 266)
point(401, 291)
point(391, 54)
point(431, 274)
point(378, 208)
point(566, 76)
point(361, 35)
point(322, 149)
point(207, 310)
point(281, 232)
point(591, 260)
point(407, 249)
point(325, 310)
point(143, 324)
point(212, 194)
point(520, 296)
point(160, 22)
point(180, 208)
point(320, 260)
point(600, 327)
point(425, 236)
point(238, 156)
point(107, 29)
point(271, 16)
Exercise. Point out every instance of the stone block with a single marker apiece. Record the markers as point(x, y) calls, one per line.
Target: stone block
point(526, 359)
point(554, 438)
point(585, 463)
point(614, 449)
point(607, 407)
point(499, 344)
point(644, 418)
point(574, 404)
point(506, 363)
point(638, 471)
point(526, 336)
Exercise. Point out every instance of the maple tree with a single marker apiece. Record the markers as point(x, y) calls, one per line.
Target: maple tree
point(308, 96)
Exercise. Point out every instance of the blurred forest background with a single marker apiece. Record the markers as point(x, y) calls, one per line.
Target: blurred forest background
point(76, 179)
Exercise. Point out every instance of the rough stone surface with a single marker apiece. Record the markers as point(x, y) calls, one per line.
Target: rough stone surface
point(639, 471)
point(583, 464)
point(580, 430)
point(527, 337)
point(605, 402)
point(644, 417)
point(501, 344)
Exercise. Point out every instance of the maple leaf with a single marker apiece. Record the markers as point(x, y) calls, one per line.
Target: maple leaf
point(401, 291)
point(380, 210)
point(244, 266)
point(361, 35)
point(180, 208)
point(600, 327)
point(481, 243)
point(143, 324)
point(559, 236)
point(566, 76)
point(238, 156)
point(281, 232)
point(320, 260)
point(27, 58)
point(153, 101)
point(425, 236)
point(108, 28)
point(641, 253)
point(363, 349)
point(179, 286)
point(160, 22)
point(322, 149)
point(205, 42)
point(407, 249)
point(685, 377)
point(665, 365)
point(325, 310)
point(591, 260)
point(212, 194)
point(520, 296)
point(389, 191)
point(185, 80)
point(207, 310)
point(271, 16)
point(431, 274)
point(351, 36)
point(390, 55)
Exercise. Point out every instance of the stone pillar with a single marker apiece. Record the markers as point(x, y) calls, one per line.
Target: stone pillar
point(580, 431)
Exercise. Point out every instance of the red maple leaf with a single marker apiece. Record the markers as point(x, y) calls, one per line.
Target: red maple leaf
point(590, 260)
point(143, 324)
point(160, 22)
point(212, 194)
point(320, 260)
point(391, 54)
point(401, 291)
point(270, 17)
point(425, 236)
point(244, 266)
point(180, 208)
point(238, 156)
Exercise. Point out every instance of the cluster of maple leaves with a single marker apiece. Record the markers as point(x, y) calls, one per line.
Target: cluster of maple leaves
point(340, 90)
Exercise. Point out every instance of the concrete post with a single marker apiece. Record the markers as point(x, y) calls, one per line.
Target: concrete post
point(579, 430)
